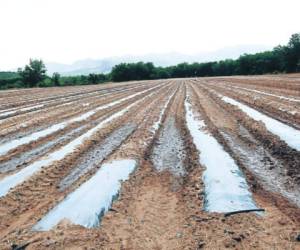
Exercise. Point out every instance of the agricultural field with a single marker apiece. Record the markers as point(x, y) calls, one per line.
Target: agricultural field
point(152, 165)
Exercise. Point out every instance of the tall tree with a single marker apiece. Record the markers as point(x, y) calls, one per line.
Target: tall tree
point(33, 73)
point(93, 78)
point(293, 53)
point(56, 79)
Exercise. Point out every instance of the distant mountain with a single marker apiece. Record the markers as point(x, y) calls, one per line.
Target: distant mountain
point(105, 65)
point(81, 67)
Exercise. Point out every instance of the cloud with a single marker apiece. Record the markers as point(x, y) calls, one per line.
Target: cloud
point(68, 30)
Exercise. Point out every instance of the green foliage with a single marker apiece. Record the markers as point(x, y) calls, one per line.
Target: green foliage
point(6, 75)
point(83, 80)
point(56, 79)
point(132, 71)
point(10, 80)
point(292, 54)
point(280, 59)
point(33, 73)
point(96, 78)
point(161, 73)
point(46, 83)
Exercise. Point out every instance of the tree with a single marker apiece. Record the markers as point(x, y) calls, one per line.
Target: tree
point(281, 59)
point(132, 71)
point(55, 79)
point(292, 55)
point(92, 78)
point(33, 73)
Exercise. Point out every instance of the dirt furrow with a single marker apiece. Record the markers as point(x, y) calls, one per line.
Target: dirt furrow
point(152, 204)
point(124, 169)
point(278, 148)
point(25, 122)
point(224, 128)
point(83, 126)
point(55, 115)
point(55, 173)
point(287, 112)
point(62, 102)
point(279, 85)
point(133, 146)
point(39, 95)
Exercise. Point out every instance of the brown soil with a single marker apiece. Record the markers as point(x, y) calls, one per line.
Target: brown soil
point(157, 208)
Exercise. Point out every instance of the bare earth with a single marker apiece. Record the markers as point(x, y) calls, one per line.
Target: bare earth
point(161, 205)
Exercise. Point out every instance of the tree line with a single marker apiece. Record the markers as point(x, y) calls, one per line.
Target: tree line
point(34, 75)
point(282, 59)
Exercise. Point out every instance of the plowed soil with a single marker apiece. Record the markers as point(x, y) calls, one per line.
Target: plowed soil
point(161, 205)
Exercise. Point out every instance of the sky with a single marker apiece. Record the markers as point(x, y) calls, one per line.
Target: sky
point(68, 30)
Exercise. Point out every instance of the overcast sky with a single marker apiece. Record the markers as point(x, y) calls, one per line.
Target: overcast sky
point(68, 30)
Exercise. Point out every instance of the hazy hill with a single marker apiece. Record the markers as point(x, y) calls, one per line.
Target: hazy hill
point(105, 65)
